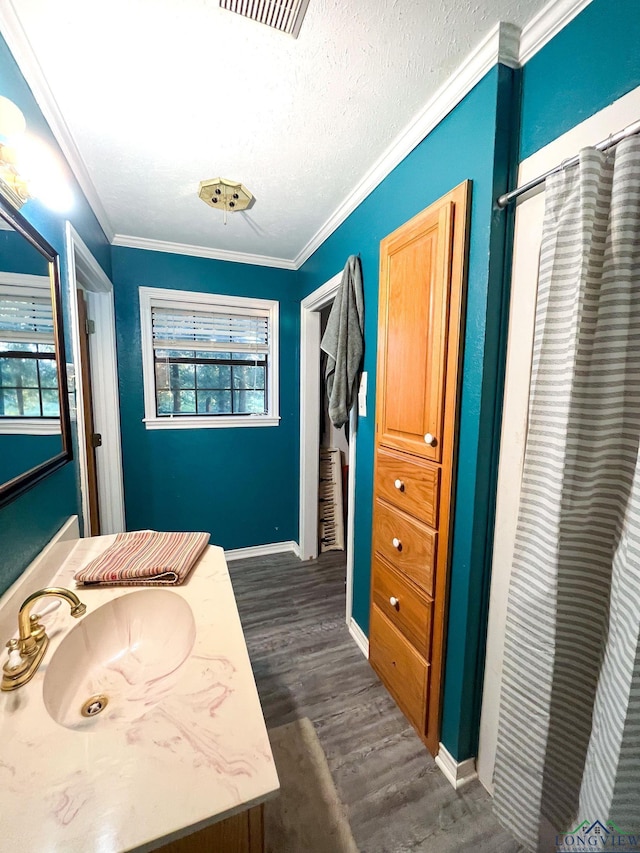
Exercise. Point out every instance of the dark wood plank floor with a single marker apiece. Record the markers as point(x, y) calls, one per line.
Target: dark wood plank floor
point(306, 664)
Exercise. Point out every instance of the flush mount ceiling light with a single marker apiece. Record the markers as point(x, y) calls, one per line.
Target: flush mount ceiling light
point(225, 195)
point(283, 15)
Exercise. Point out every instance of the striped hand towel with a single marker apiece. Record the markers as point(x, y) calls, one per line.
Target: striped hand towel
point(145, 558)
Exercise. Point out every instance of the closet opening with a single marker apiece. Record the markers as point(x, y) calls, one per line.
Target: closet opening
point(313, 435)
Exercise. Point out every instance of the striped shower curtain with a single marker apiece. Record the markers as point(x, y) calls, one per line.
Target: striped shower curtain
point(569, 730)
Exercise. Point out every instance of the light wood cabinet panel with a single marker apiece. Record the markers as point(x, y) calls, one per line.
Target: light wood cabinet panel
point(409, 483)
point(241, 833)
point(402, 669)
point(402, 604)
point(413, 324)
point(422, 272)
point(415, 551)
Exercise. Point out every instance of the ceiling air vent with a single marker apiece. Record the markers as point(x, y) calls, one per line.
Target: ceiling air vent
point(283, 15)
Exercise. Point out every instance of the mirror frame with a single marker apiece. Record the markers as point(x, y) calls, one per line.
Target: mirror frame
point(20, 484)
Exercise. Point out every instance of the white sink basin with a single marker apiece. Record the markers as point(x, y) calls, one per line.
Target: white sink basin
point(129, 651)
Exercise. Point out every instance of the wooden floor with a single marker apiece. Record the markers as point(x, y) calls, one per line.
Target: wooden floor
point(306, 664)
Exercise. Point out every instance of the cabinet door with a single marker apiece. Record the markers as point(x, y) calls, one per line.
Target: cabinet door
point(415, 279)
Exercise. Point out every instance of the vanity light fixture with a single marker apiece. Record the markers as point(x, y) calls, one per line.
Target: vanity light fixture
point(28, 166)
point(12, 128)
point(225, 195)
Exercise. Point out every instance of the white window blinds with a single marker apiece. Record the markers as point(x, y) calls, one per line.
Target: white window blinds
point(210, 331)
point(26, 320)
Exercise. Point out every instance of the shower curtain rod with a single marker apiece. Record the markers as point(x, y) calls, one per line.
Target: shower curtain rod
point(629, 130)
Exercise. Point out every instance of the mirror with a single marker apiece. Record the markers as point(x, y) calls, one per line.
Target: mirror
point(35, 437)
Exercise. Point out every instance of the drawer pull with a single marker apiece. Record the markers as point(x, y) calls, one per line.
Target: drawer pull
point(394, 602)
point(396, 543)
point(430, 439)
point(399, 485)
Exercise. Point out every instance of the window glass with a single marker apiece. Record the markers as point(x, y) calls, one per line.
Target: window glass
point(226, 372)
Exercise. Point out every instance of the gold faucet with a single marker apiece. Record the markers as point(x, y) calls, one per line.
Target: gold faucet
point(26, 653)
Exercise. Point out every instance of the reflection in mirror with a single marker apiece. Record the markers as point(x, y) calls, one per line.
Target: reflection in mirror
point(34, 437)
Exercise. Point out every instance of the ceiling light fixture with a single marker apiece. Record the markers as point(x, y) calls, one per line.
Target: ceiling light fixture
point(225, 195)
point(283, 15)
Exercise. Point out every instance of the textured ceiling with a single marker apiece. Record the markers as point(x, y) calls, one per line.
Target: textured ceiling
point(160, 94)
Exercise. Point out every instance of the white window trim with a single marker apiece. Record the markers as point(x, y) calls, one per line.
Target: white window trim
point(156, 296)
point(30, 426)
point(27, 285)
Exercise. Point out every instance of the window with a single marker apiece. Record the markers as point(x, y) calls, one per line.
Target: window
point(208, 361)
point(29, 401)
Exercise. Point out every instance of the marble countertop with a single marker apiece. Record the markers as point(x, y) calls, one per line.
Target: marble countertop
point(198, 755)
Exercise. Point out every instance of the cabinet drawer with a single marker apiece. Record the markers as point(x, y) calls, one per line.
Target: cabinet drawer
point(401, 669)
point(409, 483)
point(411, 612)
point(406, 543)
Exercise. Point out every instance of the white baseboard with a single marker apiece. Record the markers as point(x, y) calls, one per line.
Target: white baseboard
point(263, 550)
point(360, 637)
point(459, 773)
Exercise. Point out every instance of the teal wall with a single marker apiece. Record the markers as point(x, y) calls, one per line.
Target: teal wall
point(17, 255)
point(588, 65)
point(222, 480)
point(462, 147)
point(19, 453)
point(29, 522)
point(240, 484)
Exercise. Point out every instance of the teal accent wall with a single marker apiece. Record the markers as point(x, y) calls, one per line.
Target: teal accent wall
point(29, 522)
point(590, 63)
point(17, 255)
point(23, 452)
point(240, 484)
point(463, 146)
point(472, 555)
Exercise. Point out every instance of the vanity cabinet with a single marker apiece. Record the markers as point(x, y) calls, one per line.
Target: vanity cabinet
point(422, 269)
point(241, 833)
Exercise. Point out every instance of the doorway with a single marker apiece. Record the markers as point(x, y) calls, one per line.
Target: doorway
point(310, 401)
point(101, 484)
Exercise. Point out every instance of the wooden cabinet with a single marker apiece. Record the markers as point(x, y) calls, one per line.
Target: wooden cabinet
point(402, 669)
point(240, 833)
point(422, 269)
point(409, 484)
point(403, 605)
point(406, 543)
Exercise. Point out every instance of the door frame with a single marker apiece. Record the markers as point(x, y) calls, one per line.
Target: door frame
point(310, 309)
point(83, 271)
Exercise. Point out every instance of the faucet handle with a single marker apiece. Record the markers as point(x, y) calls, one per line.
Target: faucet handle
point(15, 658)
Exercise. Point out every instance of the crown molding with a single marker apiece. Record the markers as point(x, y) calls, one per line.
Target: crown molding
point(547, 24)
point(201, 252)
point(23, 53)
point(504, 44)
point(500, 45)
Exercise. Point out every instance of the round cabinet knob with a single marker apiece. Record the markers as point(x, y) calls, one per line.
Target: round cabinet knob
point(396, 543)
point(393, 601)
point(430, 439)
point(399, 485)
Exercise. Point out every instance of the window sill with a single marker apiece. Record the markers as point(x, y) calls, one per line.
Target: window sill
point(186, 422)
point(30, 426)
